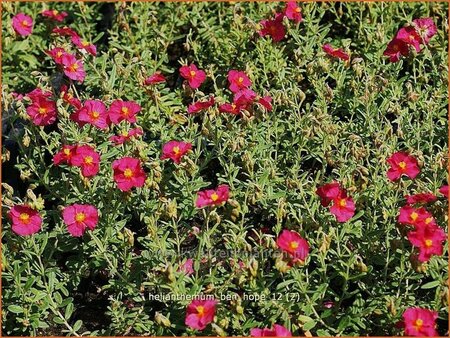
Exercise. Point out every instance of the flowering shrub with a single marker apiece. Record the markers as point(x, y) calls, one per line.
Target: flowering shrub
point(264, 169)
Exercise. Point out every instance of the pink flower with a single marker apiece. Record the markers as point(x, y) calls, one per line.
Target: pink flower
point(65, 155)
point(42, 111)
point(294, 244)
point(230, 108)
point(238, 80)
point(54, 15)
point(88, 159)
point(200, 105)
point(266, 102)
point(69, 98)
point(200, 313)
point(79, 218)
point(274, 28)
point(395, 49)
point(128, 173)
point(73, 68)
point(426, 28)
point(187, 267)
point(22, 24)
point(25, 221)
point(56, 54)
point(64, 31)
point(244, 97)
point(417, 217)
point(94, 113)
point(84, 45)
point(343, 207)
point(126, 136)
point(175, 150)
point(277, 331)
point(212, 197)
point(402, 164)
point(123, 110)
point(328, 192)
point(409, 36)
point(154, 79)
point(420, 322)
point(293, 11)
point(193, 75)
point(444, 190)
point(429, 241)
point(427, 197)
point(37, 93)
point(335, 52)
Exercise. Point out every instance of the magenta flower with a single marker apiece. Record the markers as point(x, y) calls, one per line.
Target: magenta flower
point(79, 218)
point(22, 24)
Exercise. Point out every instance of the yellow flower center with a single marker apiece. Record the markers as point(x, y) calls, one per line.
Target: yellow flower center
point(200, 311)
point(95, 115)
point(428, 220)
point(25, 23)
point(241, 79)
point(128, 173)
point(418, 323)
point(298, 9)
point(55, 12)
point(176, 150)
point(233, 106)
point(214, 197)
point(84, 43)
point(192, 73)
point(88, 160)
point(125, 133)
point(66, 151)
point(25, 218)
point(42, 110)
point(342, 202)
point(73, 67)
point(414, 215)
point(428, 243)
point(80, 217)
point(293, 245)
point(402, 165)
point(125, 111)
point(59, 54)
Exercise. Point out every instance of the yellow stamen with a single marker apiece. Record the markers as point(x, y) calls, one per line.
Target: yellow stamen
point(125, 111)
point(214, 197)
point(59, 54)
point(128, 173)
point(66, 151)
point(200, 311)
point(176, 150)
point(342, 202)
point(125, 133)
point(24, 23)
point(88, 160)
point(298, 9)
point(84, 43)
point(428, 243)
point(73, 67)
point(402, 165)
point(95, 115)
point(80, 217)
point(55, 12)
point(42, 110)
point(428, 220)
point(414, 215)
point(293, 245)
point(25, 218)
point(241, 79)
point(192, 73)
point(418, 324)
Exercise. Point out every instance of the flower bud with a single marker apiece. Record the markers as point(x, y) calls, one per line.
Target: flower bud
point(162, 320)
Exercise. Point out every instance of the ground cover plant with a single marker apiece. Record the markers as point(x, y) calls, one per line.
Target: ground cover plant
point(264, 169)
